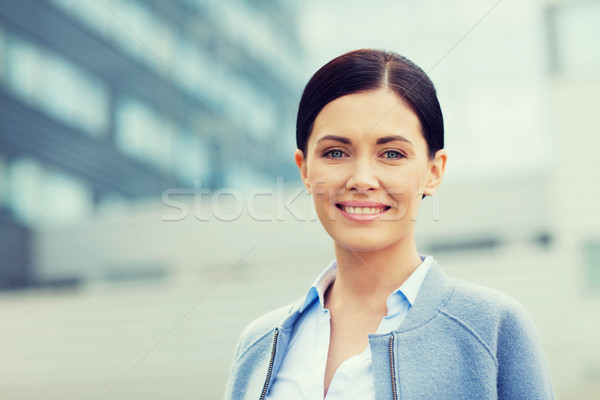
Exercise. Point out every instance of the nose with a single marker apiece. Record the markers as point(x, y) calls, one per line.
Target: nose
point(363, 177)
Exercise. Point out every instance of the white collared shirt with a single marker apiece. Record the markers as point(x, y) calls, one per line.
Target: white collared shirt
point(302, 372)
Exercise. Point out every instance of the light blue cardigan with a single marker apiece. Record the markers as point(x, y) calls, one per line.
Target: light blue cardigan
point(458, 341)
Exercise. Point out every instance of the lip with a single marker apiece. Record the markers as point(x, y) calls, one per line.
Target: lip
point(362, 218)
point(361, 203)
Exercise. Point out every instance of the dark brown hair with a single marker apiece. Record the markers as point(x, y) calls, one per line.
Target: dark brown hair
point(367, 69)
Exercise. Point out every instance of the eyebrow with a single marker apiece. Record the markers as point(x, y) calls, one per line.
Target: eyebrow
point(342, 139)
point(386, 139)
point(381, 140)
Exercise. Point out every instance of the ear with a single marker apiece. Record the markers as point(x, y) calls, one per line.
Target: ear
point(301, 163)
point(436, 172)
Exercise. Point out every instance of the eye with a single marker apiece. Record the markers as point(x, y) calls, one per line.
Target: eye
point(393, 154)
point(335, 153)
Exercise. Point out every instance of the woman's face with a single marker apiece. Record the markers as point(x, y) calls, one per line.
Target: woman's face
point(367, 167)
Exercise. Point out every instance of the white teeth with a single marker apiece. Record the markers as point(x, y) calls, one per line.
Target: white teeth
point(363, 210)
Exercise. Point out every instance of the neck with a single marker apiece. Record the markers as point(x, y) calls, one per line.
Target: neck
point(364, 280)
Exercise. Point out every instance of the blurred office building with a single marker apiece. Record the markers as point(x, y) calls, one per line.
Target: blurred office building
point(106, 102)
point(115, 114)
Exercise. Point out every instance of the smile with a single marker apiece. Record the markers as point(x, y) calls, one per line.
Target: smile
point(363, 210)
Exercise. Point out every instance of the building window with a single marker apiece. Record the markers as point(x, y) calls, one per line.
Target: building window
point(57, 87)
point(145, 135)
point(39, 196)
point(192, 161)
point(131, 26)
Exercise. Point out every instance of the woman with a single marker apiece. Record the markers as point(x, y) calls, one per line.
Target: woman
point(382, 321)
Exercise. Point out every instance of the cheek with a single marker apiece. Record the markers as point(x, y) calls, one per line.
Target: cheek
point(415, 177)
point(405, 187)
point(326, 184)
point(323, 180)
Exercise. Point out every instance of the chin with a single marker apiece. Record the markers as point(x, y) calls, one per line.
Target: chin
point(370, 240)
point(362, 244)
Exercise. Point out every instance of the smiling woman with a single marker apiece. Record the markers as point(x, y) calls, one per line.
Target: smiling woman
point(383, 321)
point(366, 164)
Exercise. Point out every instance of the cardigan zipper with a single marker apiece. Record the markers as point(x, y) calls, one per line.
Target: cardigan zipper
point(270, 371)
point(392, 369)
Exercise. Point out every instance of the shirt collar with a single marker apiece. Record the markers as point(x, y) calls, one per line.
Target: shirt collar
point(407, 291)
point(319, 286)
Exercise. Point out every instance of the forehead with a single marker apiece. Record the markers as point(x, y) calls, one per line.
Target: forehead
point(364, 115)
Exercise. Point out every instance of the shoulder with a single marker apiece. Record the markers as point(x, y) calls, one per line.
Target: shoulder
point(476, 301)
point(474, 315)
point(496, 322)
point(251, 351)
point(489, 315)
point(262, 326)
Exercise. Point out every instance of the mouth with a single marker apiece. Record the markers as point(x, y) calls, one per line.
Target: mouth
point(356, 210)
point(362, 212)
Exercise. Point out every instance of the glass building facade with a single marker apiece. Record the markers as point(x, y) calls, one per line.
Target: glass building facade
point(105, 102)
